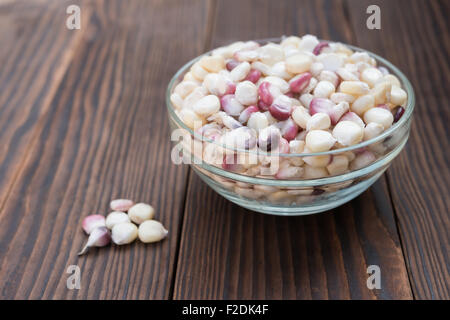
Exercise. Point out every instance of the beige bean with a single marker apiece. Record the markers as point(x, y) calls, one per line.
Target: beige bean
point(185, 87)
point(301, 116)
point(124, 233)
point(315, 172)
point(298, 63)
point(398, 96)
point(348, 133)
point(240, 72)
point(207, 106)
point(116, 217)
point(323, 89)
point(198, 72)
point(152, 231)
point(379, 115)
point(319, 121)
point(338, 165)
point(371, 76)
point(176, 100)
point(319, 140)
point(141, 212)
point(381, 92)
point(270, 54)
point(356, 88)
point(372, 130)
point(362, 104)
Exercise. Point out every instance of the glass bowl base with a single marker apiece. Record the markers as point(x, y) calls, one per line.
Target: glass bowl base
point(322, 203)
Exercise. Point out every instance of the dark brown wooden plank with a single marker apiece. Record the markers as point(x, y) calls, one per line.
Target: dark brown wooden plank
point(105, 135)
point(36, 49)
point(415, 37)
point(229, 252)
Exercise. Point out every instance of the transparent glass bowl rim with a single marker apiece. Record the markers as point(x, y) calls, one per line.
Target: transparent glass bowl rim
point(409, 108)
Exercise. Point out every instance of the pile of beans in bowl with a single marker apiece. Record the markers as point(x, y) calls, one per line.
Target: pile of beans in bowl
point(300, 96)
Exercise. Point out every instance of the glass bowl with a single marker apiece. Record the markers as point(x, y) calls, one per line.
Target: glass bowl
point(289, 197)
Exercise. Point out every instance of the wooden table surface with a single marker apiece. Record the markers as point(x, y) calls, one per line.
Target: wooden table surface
point(83, 121)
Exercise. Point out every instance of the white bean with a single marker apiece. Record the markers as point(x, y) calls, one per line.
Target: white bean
point(124, 233)
point(270, 54)
point(363, 103)
point(141, 212)
point(278, 82)
point(362, 160)
point(298, 63)
point(348, 133)
point(346, 74)
point(152, 231)
point(355, 88)
point(246, 93)
point(381, 92)
point(306, 98)
point(290, 41)
point(372, 130)
point(301, 116)
point(371, 76)
point(314, 172)
point(176, 100)
point(338, 165)
point(319, 140)
point(116, 217)
point(342, 97)
point(198, 72)
point(257, 121)
point(323, 89)
point(190, 118)
point(279, 70)
point(216, 84)
point(308, 43)
point(289, 173)
point(379, 115)
point(240, 72)
point(393, 80)
point(263, 68)
point(185, 87)
point(194, 96)
point(398, 96)
point(331, 61)
point(213, 63)
point(330, 76)
point(316, 68)
point(207, 106)
point(317, 161)
point(319, 121)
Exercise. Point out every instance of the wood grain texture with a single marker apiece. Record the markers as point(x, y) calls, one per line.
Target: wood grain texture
point(419, 179)
point(35, 51)
point(228, 252)
point(232, 253)
point(105, 135)
point(83, 121)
